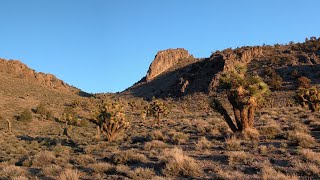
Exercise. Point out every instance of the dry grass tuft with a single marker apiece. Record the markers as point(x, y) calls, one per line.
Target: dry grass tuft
point(203, 143)
point(69, 174)
point(155, 144)
point(157, 135)
point(309, 168)
point(268, 173)
point(178, 137)
point(251, 134)
point(84, 160)
point(233, 144)
point(142, 173)
point(52, 170)
point(101, 167)
point(43, 159)
point(302, 139)
point(239, 157)
point(309, 155)
point(128, 156)
point(11, 171)
point(178, 163)
point(271, 130)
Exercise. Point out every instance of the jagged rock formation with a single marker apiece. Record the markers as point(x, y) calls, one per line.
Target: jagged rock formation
point(202, 75)
point(164, 60)
point(17, 69)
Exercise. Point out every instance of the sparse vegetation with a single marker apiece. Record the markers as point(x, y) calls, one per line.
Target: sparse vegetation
point(309, 98)
point(190, 142)
point(157, 109)
point(25, 116)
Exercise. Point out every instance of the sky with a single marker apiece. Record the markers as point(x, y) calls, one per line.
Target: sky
point(108, 45)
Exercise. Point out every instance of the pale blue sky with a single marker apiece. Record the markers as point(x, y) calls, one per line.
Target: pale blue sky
point(107, 45)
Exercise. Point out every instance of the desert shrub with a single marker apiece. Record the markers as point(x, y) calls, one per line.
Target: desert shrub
point(43, 159)
point(157, 135)
point(11, 171)
point(304, 82)
point(309, 98)
point(245, 92)
point(308, 168)
point(203, 143)
point(238, 157)
point(69, 174)
point(111, 120)
point(25, 116)
point(178, 163)
point(178, 137)
point(251, 134)
point(233, 144)
point(128, 156)
point(309, 155)
point(295, 126)
point(268, 173)
point(270, 130)
point(157, 109)
point(302, 139)
point(52, 170)
point(276, 81)
point(84, 160)
point(155, 144)
point(69, 116)
point(142, 173)
point(101, 167)
point(43, 112)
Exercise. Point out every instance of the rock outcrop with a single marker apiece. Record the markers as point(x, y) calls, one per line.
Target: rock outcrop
point(17, 69)
point(165, 60)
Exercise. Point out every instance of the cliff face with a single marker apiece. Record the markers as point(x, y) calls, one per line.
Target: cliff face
point(202, 75)
point(165, 60)
point(19, 70)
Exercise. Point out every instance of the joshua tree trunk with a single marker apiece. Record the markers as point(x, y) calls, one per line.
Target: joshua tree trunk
point(244, 118)
point(251, 112)
point(216, 104)
point(98, 135)
point(237, 118)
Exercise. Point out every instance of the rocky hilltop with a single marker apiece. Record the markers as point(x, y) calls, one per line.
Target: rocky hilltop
point(165, 60)
point(17, 69)
point(179, 75)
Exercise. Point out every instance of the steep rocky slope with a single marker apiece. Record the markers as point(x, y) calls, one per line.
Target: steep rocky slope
point(190, 75)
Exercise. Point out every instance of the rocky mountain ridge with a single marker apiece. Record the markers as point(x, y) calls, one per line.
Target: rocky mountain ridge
point(17, 69)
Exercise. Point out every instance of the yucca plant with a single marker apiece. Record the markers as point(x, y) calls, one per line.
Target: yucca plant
point(245, 92)
point(157, 109)
point(309, 98)
point(111, 120)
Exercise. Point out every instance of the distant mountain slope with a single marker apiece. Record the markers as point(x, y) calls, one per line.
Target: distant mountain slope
point(190, 75)
point(17, 69)
point(22, 87)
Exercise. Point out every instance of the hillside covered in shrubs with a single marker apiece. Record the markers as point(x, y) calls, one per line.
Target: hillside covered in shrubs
point(243, 113)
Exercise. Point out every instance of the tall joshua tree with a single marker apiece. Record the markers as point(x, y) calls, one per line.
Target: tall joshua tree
point(110, 120)
point(245, 92)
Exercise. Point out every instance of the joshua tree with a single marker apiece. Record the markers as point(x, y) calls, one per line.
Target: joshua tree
point(111, 120)
point(309, 98)
point(156, 109)
point(245, 92)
